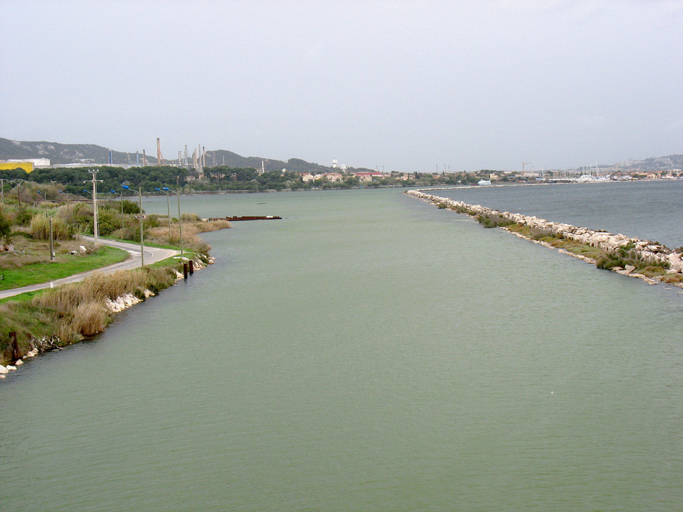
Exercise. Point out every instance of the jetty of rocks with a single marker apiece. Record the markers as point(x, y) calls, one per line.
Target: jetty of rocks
point(649, 252)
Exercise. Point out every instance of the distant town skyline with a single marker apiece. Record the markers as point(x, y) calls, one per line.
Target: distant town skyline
point(397, 85)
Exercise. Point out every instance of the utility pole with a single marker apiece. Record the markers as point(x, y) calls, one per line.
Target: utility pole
point(180, 224)
point(168, 207)
point(142, 243)
point(2, 182)
point(52, 250)
point(94, 199)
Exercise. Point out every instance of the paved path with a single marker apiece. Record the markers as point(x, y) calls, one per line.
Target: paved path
point(152, 255)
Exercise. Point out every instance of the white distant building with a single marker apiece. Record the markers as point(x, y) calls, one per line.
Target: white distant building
point(368, 176)
point(333, 176)
point(37, 162)
point(334, 164)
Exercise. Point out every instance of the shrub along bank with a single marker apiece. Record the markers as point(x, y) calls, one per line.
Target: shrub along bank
point(60, 316)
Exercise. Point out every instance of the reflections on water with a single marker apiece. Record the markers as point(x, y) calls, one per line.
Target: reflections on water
point(367, 352)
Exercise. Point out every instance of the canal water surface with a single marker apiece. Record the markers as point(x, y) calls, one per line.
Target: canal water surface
point(366, 352)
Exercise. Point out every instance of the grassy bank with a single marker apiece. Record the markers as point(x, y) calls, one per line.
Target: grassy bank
point(60, 316)
point(56, 317)
point(65, 264)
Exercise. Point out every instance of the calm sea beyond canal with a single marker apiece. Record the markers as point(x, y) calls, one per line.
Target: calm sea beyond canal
point(369, 352)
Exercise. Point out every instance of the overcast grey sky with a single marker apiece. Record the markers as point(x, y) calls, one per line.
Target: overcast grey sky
point(402, 84)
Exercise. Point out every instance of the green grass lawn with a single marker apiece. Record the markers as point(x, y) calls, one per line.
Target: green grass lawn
point(71, 264)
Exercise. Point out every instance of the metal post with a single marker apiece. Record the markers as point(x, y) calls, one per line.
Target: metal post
point(180, 225)
point(52, 252)
point(168, 207)
point(142, 243)
point(94, 204)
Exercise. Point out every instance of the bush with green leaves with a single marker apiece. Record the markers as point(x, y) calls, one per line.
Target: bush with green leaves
point(107, 222)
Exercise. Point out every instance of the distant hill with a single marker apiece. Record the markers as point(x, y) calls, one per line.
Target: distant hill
point(60, 154)
point(64, 153)
point(654, 164)
point(230, 159)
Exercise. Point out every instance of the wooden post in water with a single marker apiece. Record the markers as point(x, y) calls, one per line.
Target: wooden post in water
point(185, 271)
point(14, 346)
point(191, 262)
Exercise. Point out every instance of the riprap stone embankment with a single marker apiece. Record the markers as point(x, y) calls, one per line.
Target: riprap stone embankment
point(644, 250)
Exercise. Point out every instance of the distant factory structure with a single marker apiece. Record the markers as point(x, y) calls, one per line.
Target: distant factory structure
point(27, 164)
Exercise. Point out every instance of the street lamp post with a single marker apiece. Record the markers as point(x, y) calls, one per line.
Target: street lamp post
point(168, 207)
point(180, 225)
point(142, 243)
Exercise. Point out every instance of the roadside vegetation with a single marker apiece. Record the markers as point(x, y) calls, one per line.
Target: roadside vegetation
point(52, 318)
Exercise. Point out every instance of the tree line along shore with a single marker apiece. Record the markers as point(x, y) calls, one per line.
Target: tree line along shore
point(650, 261)
point(49, 319)
point(156, 179)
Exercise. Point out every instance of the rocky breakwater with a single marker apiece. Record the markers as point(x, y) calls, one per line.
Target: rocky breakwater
point(630, 256)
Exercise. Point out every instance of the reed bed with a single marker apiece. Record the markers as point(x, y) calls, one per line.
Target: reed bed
point(160, 234)
point(40, 228)
point(79, 308)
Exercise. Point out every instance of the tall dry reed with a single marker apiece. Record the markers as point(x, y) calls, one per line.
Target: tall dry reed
point(80, 307)
point(40, 228)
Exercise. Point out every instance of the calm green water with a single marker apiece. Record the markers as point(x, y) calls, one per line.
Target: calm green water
point(367, 352)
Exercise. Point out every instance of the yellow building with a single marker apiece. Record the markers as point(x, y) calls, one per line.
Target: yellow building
point(27, 166)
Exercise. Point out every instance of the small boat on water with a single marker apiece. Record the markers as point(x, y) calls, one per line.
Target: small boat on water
point(484, 182)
